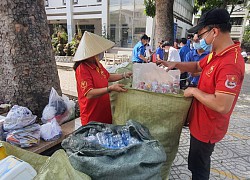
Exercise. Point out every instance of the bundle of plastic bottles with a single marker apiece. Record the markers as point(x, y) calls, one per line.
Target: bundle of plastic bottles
point(109, 139)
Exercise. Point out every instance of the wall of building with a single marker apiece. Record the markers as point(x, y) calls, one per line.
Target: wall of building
point(73, 12)
point(183, 15)
point(239, 19)
point(123, 21)
point(127, 22)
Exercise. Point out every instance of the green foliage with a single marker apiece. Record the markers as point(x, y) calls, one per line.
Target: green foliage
point(70, 48)
point(205, 5)
point(150, 8)
point(60, 43)
point(246, 39)
point(59, 39)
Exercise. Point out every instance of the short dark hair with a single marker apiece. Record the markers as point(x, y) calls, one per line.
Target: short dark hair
point(183, 40)
point(226, 27)
point(190, 36)
point(144, 36)
point(161, 42)
point(166, 43)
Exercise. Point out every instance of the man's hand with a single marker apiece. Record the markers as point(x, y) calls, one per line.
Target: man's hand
point(189, 92)
point(170, 65)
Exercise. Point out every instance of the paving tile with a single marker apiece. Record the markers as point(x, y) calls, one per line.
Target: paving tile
point(180, 159)
point(221, 151)
point(185, 137)
point(232, 169)
point(180, 172)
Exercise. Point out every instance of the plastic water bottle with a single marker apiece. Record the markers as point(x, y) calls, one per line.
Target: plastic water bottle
point(117, 142)
point(92, 132)
point(108, 137)
point(101, 139)
point(125, 135)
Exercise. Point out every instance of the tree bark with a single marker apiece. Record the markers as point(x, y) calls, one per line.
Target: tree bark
point(27, 63)
point(164, 21)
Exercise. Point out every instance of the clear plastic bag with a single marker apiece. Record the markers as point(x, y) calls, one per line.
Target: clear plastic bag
point(150, 77)
point(51, 130)
point(25, 137)
point(18, 117)
point(59, 107)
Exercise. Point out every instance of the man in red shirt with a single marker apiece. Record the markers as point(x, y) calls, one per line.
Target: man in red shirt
point(222, 74)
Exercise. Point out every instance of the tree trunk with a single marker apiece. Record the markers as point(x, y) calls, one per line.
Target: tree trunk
point(27, 63)
point(164, 21)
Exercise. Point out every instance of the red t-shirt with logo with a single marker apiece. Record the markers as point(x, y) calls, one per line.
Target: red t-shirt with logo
point(222, 73)
point(89, 76)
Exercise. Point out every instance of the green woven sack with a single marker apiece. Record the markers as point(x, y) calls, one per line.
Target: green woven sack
point(48, 168)
point(162, 114)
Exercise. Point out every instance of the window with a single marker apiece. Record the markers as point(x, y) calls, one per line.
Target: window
point(89, 28)
point(236, 20)
point(64, 2)
point(140, 30)
point(75, 1)
point(99, 0)
point(46, 3)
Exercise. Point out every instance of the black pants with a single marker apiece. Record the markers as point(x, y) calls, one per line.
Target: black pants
point(199, 159)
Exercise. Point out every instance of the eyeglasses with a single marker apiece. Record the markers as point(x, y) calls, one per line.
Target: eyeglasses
point(200, 35)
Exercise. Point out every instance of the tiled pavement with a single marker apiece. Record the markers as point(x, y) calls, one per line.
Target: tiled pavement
point(231, 157)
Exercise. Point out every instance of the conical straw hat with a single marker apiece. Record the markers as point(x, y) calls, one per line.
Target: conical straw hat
point(91, 45)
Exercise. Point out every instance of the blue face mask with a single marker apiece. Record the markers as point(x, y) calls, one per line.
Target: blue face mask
point(197, 45)
point(204, 45)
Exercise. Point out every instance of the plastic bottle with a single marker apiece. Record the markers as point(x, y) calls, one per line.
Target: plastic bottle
point(117, 142)
point(125, 135)
point(92, 132)
point(2, 152)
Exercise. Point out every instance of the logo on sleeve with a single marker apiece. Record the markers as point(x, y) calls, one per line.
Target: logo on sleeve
point(231, 81)
point(84, 85)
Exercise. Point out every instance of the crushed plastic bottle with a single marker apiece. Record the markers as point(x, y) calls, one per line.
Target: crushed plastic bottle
point(111, 140)
point(125, 135)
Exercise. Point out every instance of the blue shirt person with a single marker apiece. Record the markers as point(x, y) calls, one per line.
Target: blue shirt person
point(139, 50)
point(195, 55)
point(160, 51)
point(183, 52)
point(184, 49)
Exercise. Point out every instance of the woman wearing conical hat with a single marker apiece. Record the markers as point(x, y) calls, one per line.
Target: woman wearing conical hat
point(92, 79)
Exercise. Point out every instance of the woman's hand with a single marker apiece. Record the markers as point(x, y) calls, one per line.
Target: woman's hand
point(117, 88)
point(128, 74)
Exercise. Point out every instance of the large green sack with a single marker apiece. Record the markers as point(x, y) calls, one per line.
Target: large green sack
point(127, 82)
point(162, 114)
point(48, 168)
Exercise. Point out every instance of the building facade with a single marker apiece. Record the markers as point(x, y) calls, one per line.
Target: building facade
point(122, 21)
point(239, 19)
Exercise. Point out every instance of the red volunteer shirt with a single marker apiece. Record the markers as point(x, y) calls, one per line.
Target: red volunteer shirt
point(89, 76)
point(223, 73)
